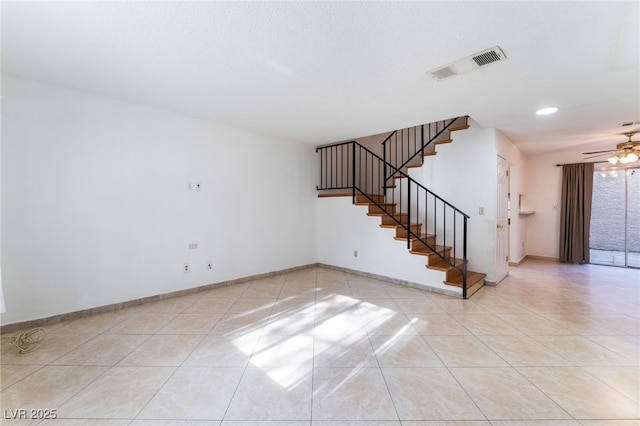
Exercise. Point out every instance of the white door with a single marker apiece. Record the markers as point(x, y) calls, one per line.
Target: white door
point(502, 221)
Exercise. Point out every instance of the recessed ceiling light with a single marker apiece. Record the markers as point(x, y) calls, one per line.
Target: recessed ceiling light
point(546, 111)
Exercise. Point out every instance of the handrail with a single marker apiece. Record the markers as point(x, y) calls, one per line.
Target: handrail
point(409, 145)
point(350, 165)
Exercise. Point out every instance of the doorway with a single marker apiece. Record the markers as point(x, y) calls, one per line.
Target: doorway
point(615, 218)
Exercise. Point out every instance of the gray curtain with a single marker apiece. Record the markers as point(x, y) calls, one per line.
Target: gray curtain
point(575, 212)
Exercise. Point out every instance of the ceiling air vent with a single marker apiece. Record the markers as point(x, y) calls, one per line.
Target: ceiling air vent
point(469, 63)
point(487, 57)
point(444, 72)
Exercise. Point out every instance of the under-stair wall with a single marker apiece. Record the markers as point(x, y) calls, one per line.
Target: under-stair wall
point(464, 172)
point(343, 229)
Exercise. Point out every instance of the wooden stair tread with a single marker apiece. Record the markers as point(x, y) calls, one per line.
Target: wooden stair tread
point(472, 279)
point(390, 225)
point(370, 203)
point(365, 198)
point(322, 195)
point(385, 205)
point(443, 141)
point(441, 265)
point(454, 129)
point(381, 210)
point(426, 251)
point(425, 237)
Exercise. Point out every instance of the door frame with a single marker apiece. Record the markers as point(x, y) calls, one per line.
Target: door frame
point(502, 219)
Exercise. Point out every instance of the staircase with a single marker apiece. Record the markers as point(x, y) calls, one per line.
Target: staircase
point(428, 224)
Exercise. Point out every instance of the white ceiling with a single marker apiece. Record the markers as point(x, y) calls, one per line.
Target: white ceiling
point(319, 72)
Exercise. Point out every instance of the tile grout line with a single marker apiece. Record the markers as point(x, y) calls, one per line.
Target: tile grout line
point(381, 371)
point(313, 358)
point(176, 368)
point(246, 367)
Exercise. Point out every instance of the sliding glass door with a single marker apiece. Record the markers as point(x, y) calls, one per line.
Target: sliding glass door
point(615, 218)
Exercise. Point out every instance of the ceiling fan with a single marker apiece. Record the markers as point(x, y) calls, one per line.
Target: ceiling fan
point(625, 152)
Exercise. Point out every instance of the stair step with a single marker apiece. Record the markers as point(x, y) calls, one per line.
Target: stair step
point(429, 150)
point(388, 220)
point(378, 211)
point(361, 199)
point(433, 256)
point(423, 236)
point(416, 244)
point(473, 278)
point(426, 251)
point(460, 124)
point(471, 290)
point(390, 223)
point(443, 141)
point(453, 129)
point(440, 265)
point(401, 232)
point(334, 194)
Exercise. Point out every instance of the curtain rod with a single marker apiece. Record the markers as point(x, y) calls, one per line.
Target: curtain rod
point(584, 162)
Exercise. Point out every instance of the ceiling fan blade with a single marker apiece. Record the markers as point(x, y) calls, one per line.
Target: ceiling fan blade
point(598, 155)
point(598, 152)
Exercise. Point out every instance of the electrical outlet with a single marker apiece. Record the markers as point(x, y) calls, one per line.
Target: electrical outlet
point(186, 268)
point(481, 211)
point(554, 207)
point(355, 253)
point(193, 246)
point(210, 265)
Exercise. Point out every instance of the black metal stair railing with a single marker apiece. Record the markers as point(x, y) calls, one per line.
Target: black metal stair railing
point(414, 208)
point(402, 146)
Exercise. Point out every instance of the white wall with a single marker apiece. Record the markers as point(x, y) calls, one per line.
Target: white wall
point(343, 227)
point(543, 181)
point(463, 172)
point(2, 306)
point(95, 206)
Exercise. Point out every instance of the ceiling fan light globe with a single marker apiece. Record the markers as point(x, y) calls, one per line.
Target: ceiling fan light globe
point(629, 158)
point(613, 160)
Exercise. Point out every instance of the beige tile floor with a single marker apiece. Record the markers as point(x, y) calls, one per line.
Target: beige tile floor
point(553, 344)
